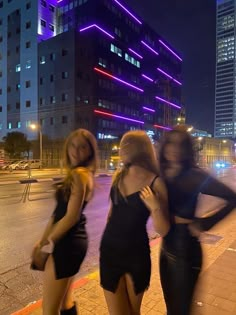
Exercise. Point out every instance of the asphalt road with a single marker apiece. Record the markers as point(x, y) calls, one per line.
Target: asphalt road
point(23, 217)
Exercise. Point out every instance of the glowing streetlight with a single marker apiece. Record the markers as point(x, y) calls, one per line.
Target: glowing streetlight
point(38, 127)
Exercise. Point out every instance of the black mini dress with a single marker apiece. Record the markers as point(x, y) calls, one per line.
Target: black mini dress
point(124, 247)
point(71, 249)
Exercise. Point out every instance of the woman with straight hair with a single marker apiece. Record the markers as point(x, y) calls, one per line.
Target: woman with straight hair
point(137, 193)
point(181, 253)
point(65, 237)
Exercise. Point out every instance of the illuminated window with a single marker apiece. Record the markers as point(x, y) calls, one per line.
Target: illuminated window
point(18, 68)
point(116, 50)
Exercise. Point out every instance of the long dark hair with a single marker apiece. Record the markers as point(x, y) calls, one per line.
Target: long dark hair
point(187, 148)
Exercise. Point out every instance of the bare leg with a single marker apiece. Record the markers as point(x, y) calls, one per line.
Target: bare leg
point(54, 290)
point(135, 300)
point(118, 302)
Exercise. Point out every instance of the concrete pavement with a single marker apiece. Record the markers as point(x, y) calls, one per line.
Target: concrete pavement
point(216, 293)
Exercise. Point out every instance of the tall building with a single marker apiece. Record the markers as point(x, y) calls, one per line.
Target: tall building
point(85, 63)
point(225, 98)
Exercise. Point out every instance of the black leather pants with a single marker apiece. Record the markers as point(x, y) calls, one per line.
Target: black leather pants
point(180, 265)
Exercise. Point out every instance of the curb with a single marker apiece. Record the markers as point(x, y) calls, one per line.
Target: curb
point(40, 180)
point(77, 284)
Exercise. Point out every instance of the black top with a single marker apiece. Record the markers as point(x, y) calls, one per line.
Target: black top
point(183, 192)
point(126, 228)
point(61, 209)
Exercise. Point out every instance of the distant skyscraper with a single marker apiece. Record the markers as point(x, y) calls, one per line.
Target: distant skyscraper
point(225, 98)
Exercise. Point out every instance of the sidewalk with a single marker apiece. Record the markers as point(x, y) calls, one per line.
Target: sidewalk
point(216, 294)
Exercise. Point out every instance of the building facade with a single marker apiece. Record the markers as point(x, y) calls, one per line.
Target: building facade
point(85, 63)
point(225, 98)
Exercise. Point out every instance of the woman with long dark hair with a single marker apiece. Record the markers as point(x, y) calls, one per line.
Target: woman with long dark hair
point(137, 193)
point(65, 237)
point(181, 253)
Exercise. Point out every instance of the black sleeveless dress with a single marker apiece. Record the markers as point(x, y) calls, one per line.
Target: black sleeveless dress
point(70, 250)
point(125, 246)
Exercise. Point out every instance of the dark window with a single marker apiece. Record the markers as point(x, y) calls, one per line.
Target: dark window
point(9, 1)
point(0, 21)
point(0, 109)
point(18, 30)
point(27, 84)
point(64, 97)
point(41, 81)
point(1, 4)
point(28, 25)
point(1, 39)
point(27, 44)
point(8, 89)
point(51, 8)
point(27, 103)
point(28, 5)
point(51, 77)
point(0, 91)
point(64, 119)
point(17, 105)
point(51, 27)
point(9, 34)
point(43, 3)
point(51, 120)
point(17, 49)
point(64, 75)
point(43, 22)
point(52, 56)
point(0, 74)
point(64, 52)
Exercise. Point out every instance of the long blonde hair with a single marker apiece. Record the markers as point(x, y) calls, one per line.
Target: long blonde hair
point(91, 163)
point(141, 153)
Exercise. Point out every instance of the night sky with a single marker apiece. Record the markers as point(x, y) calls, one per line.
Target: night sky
point(190, 27)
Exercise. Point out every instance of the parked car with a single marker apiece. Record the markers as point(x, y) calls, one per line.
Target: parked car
point(31, 164)
point(16, 165)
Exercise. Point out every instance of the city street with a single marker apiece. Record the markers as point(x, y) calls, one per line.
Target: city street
point(22, 222)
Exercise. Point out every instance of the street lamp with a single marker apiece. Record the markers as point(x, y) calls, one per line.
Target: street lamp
point(38, 127)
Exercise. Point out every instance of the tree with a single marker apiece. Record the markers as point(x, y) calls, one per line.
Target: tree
point(15, 143)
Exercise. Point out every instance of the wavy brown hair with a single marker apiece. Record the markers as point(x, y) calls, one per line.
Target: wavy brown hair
point(187, 147)
point(91, 163)
point(141, 153)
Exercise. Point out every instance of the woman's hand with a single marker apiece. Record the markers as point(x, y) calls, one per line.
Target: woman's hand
point(149, 199)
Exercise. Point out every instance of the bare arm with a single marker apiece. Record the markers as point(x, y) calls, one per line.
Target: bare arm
point(46, 232)
point(157, 203)
point(77, 197)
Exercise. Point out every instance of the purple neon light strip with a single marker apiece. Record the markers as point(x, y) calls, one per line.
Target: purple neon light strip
point(98, 27)
point(165, 73)
point(148, 78)
point(162, 127)
point(169, 76)
point(127, 11)
point(118, 116)
point(178, 57)
point(150, 48)
point(134, 52)
point(149, 109)
point(167, 102)
point(117, 79)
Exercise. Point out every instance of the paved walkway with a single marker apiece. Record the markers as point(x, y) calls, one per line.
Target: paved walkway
point(216, 294)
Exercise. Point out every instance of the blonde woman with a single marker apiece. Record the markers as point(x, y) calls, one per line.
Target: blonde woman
point(137, 192)
point(65, 236)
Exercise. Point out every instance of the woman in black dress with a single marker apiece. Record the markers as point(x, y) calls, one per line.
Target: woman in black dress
point(65, 236)
point(136, 193)
point(181, 254)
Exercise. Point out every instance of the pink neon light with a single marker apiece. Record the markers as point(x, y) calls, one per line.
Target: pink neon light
point(167, 102)
point(134, 52)
point(163, 127)
point(169, 76)
point(149, 109)
point(150, 48)
point(118, 116)
point(178, 57)
point(98, 27)
point(117, 79)
point(127, 11)
point(148, 78)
